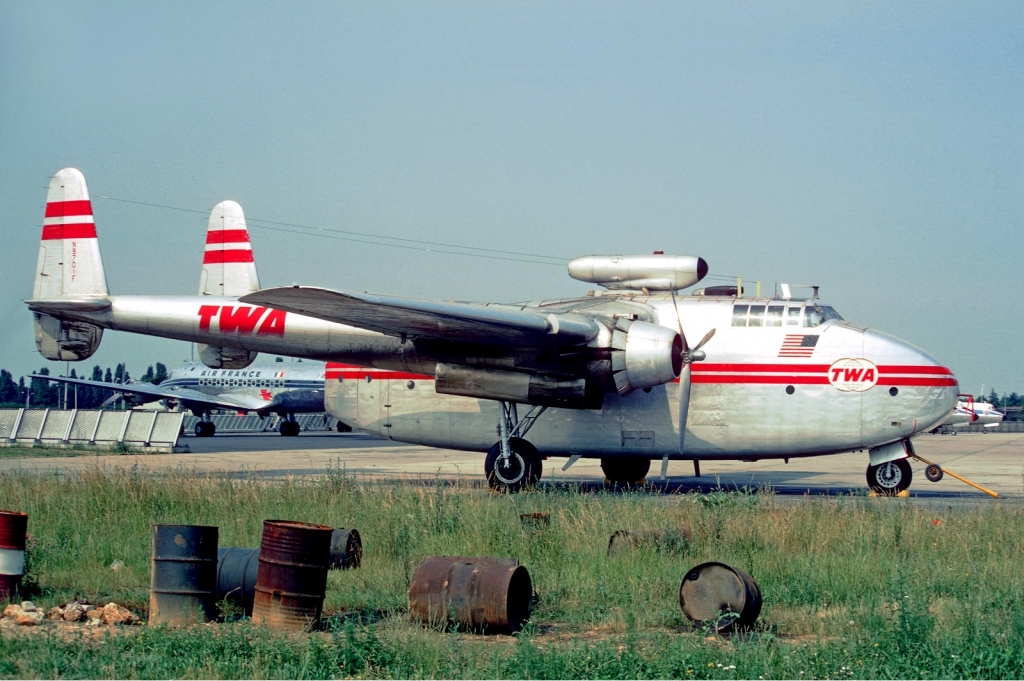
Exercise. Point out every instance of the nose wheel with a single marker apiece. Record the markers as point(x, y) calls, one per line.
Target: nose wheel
point(890, 478)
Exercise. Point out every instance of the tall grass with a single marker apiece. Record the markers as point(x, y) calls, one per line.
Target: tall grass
point(857, 587)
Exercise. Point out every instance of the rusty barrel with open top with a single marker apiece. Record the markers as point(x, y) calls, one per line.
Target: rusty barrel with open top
point(493, 595)
point(291, 580)
point(13, 530)
point(723, 596)
point(183, 581)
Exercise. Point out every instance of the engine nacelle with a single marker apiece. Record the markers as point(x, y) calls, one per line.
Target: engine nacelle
point(651, 272)
point(514, 386)
point(217, 357)
point(64, 340)
point(644, 355)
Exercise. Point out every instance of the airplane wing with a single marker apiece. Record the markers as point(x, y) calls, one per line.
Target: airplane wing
point(151, 393)
point(501, 325)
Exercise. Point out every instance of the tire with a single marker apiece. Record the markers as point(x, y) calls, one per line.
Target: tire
point(289, 428)
point(200, 430)
point(524, 470)
point(890, 478)
point(933, 473)
point(205, 429)
point(625, 470)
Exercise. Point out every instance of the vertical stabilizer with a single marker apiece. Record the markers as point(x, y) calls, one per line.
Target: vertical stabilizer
point(69, 253)
point(228, 266)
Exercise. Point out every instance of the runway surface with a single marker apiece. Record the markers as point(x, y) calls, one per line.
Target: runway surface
point(993, 460)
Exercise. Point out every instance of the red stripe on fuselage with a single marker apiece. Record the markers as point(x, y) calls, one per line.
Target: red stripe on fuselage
point(58, 209)
point(227, 236)
point(233, 255)
point(82, 230)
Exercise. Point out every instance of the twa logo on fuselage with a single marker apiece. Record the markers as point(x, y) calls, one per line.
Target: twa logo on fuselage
point(853, 375)
point(243, 320)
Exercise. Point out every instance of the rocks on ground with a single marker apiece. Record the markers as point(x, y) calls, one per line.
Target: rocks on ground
point(110, 614)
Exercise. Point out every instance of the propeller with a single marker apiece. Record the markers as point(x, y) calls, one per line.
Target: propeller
point(110, 400)
point(688, 356)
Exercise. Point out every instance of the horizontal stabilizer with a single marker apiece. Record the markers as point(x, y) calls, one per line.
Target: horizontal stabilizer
point(449, 321)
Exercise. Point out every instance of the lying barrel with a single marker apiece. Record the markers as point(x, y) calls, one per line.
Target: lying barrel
point(722, 595)
point(236, 575)
point(490, 595)
point(13, 528)
point(291, 580)
point(665, 539)
point(346, 549)
point(183, 582)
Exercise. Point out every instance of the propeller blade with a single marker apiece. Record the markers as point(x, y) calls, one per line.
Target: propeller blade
point(684, 402)
point(110, 400)
point(708, 336)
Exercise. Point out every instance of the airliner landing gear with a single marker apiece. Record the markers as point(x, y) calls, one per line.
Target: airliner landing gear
point(512, 463)
point(890, 478)
point(625, 470)
point(205, 429)
point(289, 426)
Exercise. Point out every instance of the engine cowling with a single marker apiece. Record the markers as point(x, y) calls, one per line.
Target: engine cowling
point(217, 357)
point(644, 355)
point(66, 341)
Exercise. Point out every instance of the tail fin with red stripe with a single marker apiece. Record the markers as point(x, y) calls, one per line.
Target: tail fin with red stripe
point(228, 266)
point(69, 252)
point(69, 270)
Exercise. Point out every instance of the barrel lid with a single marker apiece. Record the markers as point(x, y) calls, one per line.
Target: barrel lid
point(710, 589)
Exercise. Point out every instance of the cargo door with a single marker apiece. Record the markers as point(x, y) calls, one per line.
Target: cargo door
point(372, 406)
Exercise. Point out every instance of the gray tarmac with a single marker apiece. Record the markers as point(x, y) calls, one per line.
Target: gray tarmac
point(994, 460)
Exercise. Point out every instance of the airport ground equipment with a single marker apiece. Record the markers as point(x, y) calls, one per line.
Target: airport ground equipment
point(481, 594)
point(934, 473)
point(291, 579)
point(720, 596)
point(13, 531)
point(91, 427)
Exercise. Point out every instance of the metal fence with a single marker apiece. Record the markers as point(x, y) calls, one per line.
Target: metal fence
point(252, 423)
point(91, 427)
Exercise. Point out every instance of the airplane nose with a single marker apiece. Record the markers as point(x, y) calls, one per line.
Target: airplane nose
point(916, 390)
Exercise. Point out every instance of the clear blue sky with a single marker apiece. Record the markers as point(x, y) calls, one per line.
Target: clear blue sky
point(872, 148)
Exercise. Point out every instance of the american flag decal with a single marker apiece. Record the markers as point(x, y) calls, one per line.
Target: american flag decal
point(798, 345)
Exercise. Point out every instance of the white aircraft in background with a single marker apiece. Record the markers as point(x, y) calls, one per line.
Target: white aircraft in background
point(970, 413)
point(781, 377)
point(266, 388)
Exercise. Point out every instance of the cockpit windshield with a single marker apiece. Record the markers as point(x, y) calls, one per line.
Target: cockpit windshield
point(816, 315)
point(783, 314)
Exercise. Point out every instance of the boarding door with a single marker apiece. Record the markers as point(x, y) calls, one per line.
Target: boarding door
point(373, 406)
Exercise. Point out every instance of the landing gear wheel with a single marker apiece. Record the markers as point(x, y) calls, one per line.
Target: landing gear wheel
point(890, 478)
point(625, 470)
point(200, 430)
point(933, 473)
point(523, 469)
point(289, 428)
point(205, 429)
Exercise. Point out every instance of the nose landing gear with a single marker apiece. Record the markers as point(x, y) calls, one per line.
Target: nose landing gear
point(890, 478)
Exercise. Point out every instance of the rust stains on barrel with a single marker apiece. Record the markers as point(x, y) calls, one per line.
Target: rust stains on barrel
point(183, 582)
point(236, 575)
point(720, 594)
point(491, 595)
point(291, 580)
point(665, 539)
point(13, 528)
point(346, 549)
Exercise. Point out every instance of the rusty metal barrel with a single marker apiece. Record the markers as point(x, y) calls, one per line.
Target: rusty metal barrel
point(13, 529)
point(291, 580)
point(665, 539)
point(490, 595)
point(346, 549)
point(236, 575)
point(183, 581)
point(725, 597)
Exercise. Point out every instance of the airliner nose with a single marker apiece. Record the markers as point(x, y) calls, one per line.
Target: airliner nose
point(915, 392)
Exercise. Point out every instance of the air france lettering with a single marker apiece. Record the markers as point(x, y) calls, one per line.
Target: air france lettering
point(243, 320)
point(853, 375)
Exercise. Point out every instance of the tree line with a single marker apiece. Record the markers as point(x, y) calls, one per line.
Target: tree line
point(40, 393)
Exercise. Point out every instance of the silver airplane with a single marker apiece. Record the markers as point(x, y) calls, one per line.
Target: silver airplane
point(780, 377)
point(970, 413)
point(264, 387)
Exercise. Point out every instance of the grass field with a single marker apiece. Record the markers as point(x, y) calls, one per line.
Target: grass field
point(853, 588)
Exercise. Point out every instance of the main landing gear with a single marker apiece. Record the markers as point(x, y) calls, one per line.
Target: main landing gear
point(205, 427)
point(289, 426)
point(512, 463)
point(890, 478)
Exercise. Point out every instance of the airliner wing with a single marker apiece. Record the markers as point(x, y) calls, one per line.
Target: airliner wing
point(150, 393)
point(503, 325)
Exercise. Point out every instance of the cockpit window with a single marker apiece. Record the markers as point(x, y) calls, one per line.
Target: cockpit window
point(830, 312)
point(774, 316)
point(816, 315)
point(793, 315)
point(756, 316)
point(739, 315)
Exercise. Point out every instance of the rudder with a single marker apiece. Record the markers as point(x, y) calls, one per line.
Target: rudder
point(228, 265)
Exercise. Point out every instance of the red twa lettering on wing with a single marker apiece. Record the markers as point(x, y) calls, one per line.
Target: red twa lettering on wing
point(243, 320)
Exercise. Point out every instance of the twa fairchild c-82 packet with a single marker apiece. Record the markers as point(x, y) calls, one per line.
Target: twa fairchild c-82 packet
point(611, 375)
